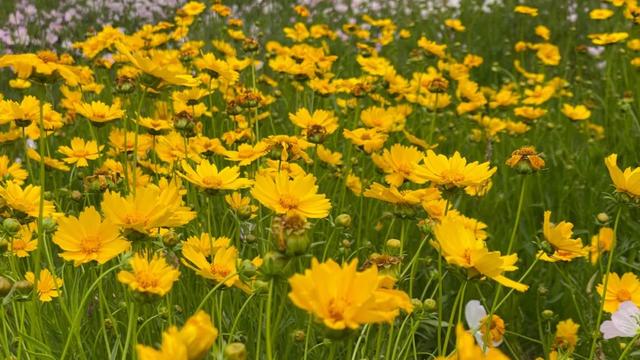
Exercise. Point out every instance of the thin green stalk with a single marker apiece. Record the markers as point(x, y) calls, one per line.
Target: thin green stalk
point(605, 284)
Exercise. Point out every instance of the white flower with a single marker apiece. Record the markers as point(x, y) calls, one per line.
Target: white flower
point(625, 322)
point(476, 315)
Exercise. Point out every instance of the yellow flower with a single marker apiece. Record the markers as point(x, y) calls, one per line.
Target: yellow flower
point(578, 112)
point(23, 242)
point(369, 140)
point(432, 47)
point(22, 113)
point(467, 349)
point(317, 125)
point(246, 154)
point(164, 69)
point(549, 54)
point(525, 159)
point(526, 10)
point(155, 126)
point(150, 207)
point(608, 38)
point(241, 205)
point(601, 243)
point(48, 285)
point(12, 171)
point(620, 289)
point(600, 14)
point(207, 176)
point(192, 8)
point(558, 236)
point(566, 335)
point(87, 238)
point(401, 163)
point(354, 184)
point(327, 156)
point(192, 342)
point(543, 32)
point(27, 200)
point(99, 112)
point(460, 246)
point(217, 68)
point(455, 172)
point(627, 181)
point(344, 298)
point(454, 24)
point(149, 275)
point(529, 112)
point(80, 151)
point(291, 196)
point(206, 244)
point(222, 267)
point(401, 197)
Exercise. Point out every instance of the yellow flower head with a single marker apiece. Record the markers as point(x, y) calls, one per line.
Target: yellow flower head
point(149, 275)
point(221, 269)
point(620, 289)
point(149, 208)
point(192, 342)
point(608, 38)
point(329, 157)
point(87, 238)
point(627, 181)
point(12, 171)
point(566, 335)
point(526, 10)
point(319, 124)
point(344, 298)
point(467, 349)
point(207, 176)
point(80, 151)
point(526, 159)
point(576, 113)
point(600, 243)
point(459, 246)
point(23, 242)
point(48, 284)
point(99, 112)
point(297, 196)
point(401, 163)
point(558, 236)
point(455, 172)
point(369, 140)
point(27, 200)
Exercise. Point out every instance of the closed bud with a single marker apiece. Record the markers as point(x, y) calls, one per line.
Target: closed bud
point(547, 314)
point(394, 244)
point(430, 304)
point(417, 304)
point(602, 218)
point(298, 335)
point(5, 286)
point(273, 264)
point(235, 351)
point(49, 225)
point(11, 226)
point(343, 220)
point(246, 269)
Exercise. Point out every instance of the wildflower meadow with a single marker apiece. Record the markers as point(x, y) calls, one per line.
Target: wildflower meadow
point(334, 180)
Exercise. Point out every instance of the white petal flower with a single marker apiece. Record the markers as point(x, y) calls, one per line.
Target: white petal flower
point(475, 313)
point(625, 322)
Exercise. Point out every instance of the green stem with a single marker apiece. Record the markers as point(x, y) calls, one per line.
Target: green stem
point(269, 345)
point(629, 346)
point(605, 284)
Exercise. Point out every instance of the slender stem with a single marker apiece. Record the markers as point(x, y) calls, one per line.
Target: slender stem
point(514, 231)
point(269, 345)
point(629, 346)
point(131, 330)
point(605, 284)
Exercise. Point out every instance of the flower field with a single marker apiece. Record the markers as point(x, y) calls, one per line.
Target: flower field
point(320, 180)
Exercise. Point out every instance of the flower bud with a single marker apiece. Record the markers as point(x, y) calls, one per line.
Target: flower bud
point(547, 314)
point(5, 286)
point(394, 244)
point(343, 220)
point(602, 217)
point(430, 304)
point(273, 264)
point(11, 226)
point(298, 335)
point(235, 351)
point(49, 225)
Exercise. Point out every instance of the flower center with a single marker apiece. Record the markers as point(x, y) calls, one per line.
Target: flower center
point(452, 176)
point(337, 308)
point(212, 181)
point(496, 328)
point(623, 295)
point(91, 244)
point(289, 202)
